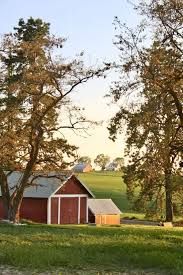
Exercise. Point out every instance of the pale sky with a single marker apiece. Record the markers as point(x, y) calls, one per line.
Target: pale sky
point(88, 26)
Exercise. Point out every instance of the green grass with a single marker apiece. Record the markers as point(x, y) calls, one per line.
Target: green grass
point(89, 249)
point(107, 185)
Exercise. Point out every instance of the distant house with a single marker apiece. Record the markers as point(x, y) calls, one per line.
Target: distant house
point(113, 166)
point(103, 211)
point(82, 168)
point(110, 167)
point(59, 199)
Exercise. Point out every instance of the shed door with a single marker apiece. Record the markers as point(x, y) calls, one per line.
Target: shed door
point(69, 210)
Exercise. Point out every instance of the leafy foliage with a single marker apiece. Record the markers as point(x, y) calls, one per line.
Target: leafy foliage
point(35, 105)
point(101, 160)
point(151, 77)
point(84, 159)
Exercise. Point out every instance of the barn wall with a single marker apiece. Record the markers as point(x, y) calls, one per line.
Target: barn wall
point(31, 209)
point(72, 186)
point(68, 210)
point(34, 209)
point(107, 219)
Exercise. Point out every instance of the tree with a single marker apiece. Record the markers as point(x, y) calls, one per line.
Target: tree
point(35, 105)
point(169, 18)
point(151, 77)
point(102, 160)
point(119, 162)
point(84, 159)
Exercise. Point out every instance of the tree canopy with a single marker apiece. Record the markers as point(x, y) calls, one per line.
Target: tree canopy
point(102, 160)
point(151, 78)
point(84, 159)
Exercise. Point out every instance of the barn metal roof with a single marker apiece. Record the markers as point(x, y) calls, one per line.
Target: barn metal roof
point(44, 185)
point(80, 167)
point(103, 206)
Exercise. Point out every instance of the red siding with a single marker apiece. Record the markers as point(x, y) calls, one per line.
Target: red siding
point(54, 210)
point(72, 186)
point(83, 210)
point(69, 210)
point(31, 209)
point(34, 209)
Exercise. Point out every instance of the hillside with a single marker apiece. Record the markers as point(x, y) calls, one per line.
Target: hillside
point(107, 185)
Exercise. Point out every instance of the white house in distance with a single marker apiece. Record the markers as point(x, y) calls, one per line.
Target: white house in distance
point(112, 167)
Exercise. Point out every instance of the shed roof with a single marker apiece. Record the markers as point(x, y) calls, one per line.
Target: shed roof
point(44, 185)
point(103, 206)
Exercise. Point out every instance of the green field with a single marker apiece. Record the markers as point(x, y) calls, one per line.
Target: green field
point(89, 250)
point(107, 185)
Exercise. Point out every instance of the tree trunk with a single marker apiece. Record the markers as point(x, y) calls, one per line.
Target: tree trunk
point(13, 213)
point(168, 191)
point(4, 192)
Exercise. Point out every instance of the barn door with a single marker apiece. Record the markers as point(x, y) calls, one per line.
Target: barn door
point(69, 210)
point(54, 210)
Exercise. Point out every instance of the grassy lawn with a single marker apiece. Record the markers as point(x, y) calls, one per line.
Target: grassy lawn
point(93, 249)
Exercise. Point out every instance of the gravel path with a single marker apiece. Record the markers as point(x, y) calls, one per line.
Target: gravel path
point(8, 270)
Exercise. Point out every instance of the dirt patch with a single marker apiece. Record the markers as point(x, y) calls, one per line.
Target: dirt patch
point(139, 222)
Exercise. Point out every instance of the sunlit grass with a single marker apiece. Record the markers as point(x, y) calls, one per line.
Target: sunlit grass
point(86, 248)
point(107, 185)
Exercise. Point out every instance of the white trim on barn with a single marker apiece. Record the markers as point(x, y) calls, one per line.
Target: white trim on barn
point(59, 196)
point(61, 185)
point(79, 210)
point(70, 196)
point(59, 210)
point(54, 193)
point(49, 210)
point(79, 196)
point(87, 210)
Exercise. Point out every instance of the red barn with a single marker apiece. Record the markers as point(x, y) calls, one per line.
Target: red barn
point(53, 200)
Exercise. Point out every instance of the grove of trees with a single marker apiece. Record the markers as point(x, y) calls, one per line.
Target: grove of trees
point(102, 160)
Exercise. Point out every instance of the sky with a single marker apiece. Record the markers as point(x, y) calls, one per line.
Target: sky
point(88, 26)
